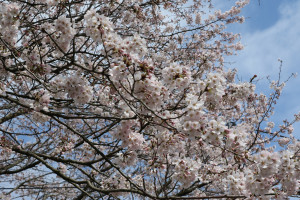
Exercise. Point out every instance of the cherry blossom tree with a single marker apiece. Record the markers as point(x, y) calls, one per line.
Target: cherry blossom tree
point(132, 99)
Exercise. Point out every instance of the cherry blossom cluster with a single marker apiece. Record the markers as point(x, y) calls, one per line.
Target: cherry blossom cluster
point(34, 63)
point(176, 76)
point(98, 26)
point(133, 99)
point(151, 92)
point(9, 22)
point(76, 88)
point(66, 32)
point(289, 171)
point(186, 171)
point(130, 138)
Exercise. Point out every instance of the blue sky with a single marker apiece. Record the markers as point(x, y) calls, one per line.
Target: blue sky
point(271, 31)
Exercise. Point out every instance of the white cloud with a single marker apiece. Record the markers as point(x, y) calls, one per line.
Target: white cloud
point(265, 46)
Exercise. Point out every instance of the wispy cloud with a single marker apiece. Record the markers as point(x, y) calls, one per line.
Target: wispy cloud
point(263, 47)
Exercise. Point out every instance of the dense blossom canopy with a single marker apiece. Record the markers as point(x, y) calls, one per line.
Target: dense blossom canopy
point(132, 99)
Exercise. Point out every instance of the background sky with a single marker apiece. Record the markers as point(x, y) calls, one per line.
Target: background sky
point(271, 31)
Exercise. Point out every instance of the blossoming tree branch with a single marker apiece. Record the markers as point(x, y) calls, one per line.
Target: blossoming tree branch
point(132, 99)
